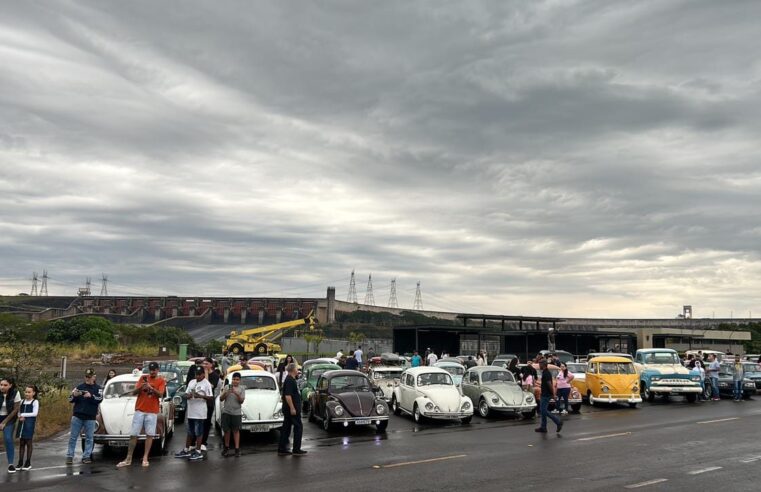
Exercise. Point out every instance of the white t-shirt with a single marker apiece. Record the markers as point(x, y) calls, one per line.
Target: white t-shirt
point(358, 355)
point(197, 406)
point(5, 411)
point(432, 358)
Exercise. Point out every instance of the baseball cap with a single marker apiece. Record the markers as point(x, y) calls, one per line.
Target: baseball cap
point(89, 372)
point(153, 365)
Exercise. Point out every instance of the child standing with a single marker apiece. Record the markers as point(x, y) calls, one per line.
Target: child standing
point(27, 417)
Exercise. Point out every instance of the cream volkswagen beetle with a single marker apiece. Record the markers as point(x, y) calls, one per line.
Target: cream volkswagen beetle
point(429, 392)
point(262, 408)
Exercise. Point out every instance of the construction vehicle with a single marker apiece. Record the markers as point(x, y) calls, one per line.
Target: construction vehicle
point(262, 340)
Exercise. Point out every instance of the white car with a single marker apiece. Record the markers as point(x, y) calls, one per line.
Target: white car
point(385, 378)
point(114, 419)
point(430, 392)
point(262, 408)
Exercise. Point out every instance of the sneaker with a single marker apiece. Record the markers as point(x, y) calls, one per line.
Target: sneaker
point(560, 427)
point(224, 452)
point(555, 411)
point(182, 453)
point(195, 456)
point(69, 460)
point(11, 469)
point(564, 412)
point(237, 453)
point(27, 466)
point(203, 447)
point(300, 452)
point(539, 429)
point(87, 461)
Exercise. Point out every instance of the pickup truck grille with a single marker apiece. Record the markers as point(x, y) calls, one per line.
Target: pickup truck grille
point(676, 382)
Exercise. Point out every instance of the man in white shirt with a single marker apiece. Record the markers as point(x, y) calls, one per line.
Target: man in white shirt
point(339, 354)
point(358, 356)
point(432, 358)
point(713, 372)
point(199, 392)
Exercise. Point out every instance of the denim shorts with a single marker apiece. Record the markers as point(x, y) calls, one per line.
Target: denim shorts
point(195, 427)
point(146, 421)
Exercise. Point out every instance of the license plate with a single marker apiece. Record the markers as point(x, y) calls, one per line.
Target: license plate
point(259, 428)
point(363, 422)
point(118, 444)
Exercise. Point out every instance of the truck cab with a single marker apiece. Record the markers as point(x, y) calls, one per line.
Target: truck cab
point(662, 373)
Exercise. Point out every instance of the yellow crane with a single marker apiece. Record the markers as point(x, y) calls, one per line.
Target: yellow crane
point(261, 341)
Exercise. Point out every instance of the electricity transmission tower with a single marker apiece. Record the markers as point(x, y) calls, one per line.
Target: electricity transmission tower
point(418, 299)
point(103, 285)
point(392, 302)
point(369, 297)
point(34, 285)
point(352, 297)
point(44, 288)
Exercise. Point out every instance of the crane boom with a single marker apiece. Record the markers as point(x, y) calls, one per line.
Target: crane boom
point(262, 340)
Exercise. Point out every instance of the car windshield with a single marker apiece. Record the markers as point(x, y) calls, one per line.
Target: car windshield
point(577, 367)
point(616, 368)
point(258, 383)
point(349, 383)
point(454, 370)
point(387, 374)
point(116, 390)
point(752, 369)
point(497, 377)
point(661, 358)
point(314, 374)
point(432, 378)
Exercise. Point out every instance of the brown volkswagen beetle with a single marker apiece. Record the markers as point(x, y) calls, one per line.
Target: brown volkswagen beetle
point(347, 398)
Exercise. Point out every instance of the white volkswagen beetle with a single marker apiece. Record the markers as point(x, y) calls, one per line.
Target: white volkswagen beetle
point(114, 419)
point(430, 392)
point(262, 408)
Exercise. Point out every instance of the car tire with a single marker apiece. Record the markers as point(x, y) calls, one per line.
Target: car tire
point(261, 349)
point(692, 398)
point(590, 398)
point(306, 407)
point(529, 415)
point(632, 405)
point(395, 406)
point(326, 421)
point(466, 420)
point(382, 426)
point(416, 415)
point(646, 393)
point(236, 349)
point(576, 408)
point(483, 408)
point(310, 415)
point(180, 418)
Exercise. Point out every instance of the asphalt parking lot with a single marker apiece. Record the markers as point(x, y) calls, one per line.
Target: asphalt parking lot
point(666, 445)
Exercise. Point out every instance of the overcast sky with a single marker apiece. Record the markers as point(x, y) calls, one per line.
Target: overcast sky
point(538, 158)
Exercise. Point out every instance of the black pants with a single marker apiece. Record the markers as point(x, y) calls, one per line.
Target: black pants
point(207, 423)
point(298, 428)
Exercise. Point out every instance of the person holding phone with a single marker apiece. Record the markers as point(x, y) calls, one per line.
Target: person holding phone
point(199, 391)
point(86, 399)
point(150, 390)
point(232, 397)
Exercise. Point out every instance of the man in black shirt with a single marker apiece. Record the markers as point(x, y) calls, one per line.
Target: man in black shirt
point(291, 414)
point(548, 392)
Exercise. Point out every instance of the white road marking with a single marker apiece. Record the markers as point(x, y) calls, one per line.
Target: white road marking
point(645, 484)
point(751, 459)
point(431, 460)
point(705, 470)
point(718, 420)
point(604, 437)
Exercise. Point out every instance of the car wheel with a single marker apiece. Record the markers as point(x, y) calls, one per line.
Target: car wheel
point(382, 426)
point(529, 415)
point(326, 421)
point(237, 349)
point(158, 446)
point(395, 406)
point(306, 407)
point(261, 349)
point(180, 418)
point(632, 405)
point(416, 415)
point(590, 398)
point(310, 415)
point(576, 407)
point(483, 408)
point(646, 393)
point(466, 420)
point(692, 398)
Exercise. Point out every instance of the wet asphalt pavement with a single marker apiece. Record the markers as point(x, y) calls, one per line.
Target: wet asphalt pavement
point(666, 445)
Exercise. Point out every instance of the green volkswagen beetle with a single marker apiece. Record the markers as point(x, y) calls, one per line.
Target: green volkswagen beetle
point(494, 390)
point(308, 380)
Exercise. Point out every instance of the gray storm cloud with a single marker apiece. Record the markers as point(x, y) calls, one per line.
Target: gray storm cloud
point(553, 158)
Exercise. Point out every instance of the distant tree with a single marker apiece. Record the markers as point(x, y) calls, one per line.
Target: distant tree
point(356, 338)
point(314, 339)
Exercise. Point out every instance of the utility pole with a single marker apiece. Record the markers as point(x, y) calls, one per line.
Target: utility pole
point(34, 285)
point(103, 285)
point(369, 297)
point(418, 299)
point(392, 302)
point(44, 288)
point(352, 297)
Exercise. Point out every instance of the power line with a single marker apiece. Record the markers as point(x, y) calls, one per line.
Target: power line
point(44, 289)
point(418, 304)
point(352, 297)
point(34, 285)
point(392, 302)
point(369, 297)
point(104, 285)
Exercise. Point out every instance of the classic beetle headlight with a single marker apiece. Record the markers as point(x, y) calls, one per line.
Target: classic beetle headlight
point(429, 406)
point(750, 385)
point(380, 409)
point(338, 410)
point(605, 389)
point(465, 406)
point(495, 399)
point(529, 399)
point(278, 414)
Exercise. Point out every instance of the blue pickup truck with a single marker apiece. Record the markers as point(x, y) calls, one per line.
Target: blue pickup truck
point(662, 373)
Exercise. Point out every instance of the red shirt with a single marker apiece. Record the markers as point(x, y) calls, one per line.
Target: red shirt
point(149, 402)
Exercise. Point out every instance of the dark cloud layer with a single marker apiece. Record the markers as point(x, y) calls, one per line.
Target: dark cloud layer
point(557, 158)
